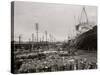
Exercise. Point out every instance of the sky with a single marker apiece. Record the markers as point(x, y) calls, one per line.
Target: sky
point(58, 20)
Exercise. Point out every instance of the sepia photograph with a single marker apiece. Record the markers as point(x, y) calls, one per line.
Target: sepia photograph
point(50, 37)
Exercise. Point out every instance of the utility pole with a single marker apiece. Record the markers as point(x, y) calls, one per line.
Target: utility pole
point(20, 41)
point(37, 28)
point(42, 38)
point(50, 38)
point(30, 44)
point(46, 38)
point(32, 40)
point(46, 35)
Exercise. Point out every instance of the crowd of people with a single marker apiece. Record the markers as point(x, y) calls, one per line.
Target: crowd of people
point(54, 62)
